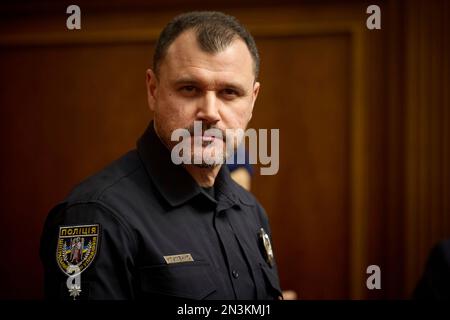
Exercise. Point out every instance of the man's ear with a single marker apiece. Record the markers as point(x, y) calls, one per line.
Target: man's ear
point(152, 89)
point(255, 92)
point(256, 87)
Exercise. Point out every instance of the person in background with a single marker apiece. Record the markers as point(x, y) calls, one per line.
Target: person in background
point(435, 281)
point(241, 172)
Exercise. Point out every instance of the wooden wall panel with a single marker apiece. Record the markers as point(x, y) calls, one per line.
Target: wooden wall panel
point(427, 70)
point(307, 200)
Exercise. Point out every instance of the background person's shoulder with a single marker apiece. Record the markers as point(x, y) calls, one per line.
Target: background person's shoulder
point(435, 281)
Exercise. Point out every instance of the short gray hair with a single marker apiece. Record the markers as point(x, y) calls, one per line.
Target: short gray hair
point(214, 30)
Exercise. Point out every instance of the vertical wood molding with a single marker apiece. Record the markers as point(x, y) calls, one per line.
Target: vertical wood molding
point(359, 179)
point(446, 117)
point(394, 242)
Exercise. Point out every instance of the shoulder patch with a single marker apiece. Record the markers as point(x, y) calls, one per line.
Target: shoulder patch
point(77, 247)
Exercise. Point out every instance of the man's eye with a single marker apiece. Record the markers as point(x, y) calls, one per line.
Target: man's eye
point(188, 89)
point(229, 92)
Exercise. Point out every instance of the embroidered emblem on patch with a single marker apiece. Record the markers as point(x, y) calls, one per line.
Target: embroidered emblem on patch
point(77, 247)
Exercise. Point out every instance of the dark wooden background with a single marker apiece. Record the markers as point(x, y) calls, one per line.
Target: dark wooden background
point(363, 117)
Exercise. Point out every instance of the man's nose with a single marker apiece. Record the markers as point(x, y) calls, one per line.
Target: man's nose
point(208, 108)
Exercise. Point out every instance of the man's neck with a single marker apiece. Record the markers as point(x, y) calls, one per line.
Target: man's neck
point(204, 177)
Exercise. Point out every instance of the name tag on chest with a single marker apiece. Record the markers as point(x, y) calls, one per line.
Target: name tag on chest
point(178, 258)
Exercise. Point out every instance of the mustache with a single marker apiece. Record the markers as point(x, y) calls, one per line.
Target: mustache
point(206, 127)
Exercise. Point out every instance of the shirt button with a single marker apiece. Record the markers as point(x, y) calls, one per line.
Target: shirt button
point(235, 274)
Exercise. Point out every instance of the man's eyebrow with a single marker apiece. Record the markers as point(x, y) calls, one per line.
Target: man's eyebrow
point(185, 81)
point(225, 84)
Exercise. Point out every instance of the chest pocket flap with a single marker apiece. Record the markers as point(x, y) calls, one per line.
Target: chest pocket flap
point(183, 280)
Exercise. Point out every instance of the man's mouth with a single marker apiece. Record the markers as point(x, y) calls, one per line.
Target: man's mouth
point(208, 138)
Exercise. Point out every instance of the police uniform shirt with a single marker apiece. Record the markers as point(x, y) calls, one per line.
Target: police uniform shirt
point(142, 227)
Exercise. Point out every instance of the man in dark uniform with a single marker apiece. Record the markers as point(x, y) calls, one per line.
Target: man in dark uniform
point(148, 228)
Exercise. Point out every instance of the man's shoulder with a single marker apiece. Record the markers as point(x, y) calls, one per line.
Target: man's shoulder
point(118, 176)
point(103, 198)
point(246, 197)
point(252, 206)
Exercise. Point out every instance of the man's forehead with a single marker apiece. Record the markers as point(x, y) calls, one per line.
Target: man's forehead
point(185, 54)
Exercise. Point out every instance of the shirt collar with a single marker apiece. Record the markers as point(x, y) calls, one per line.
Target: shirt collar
point(174, 183)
